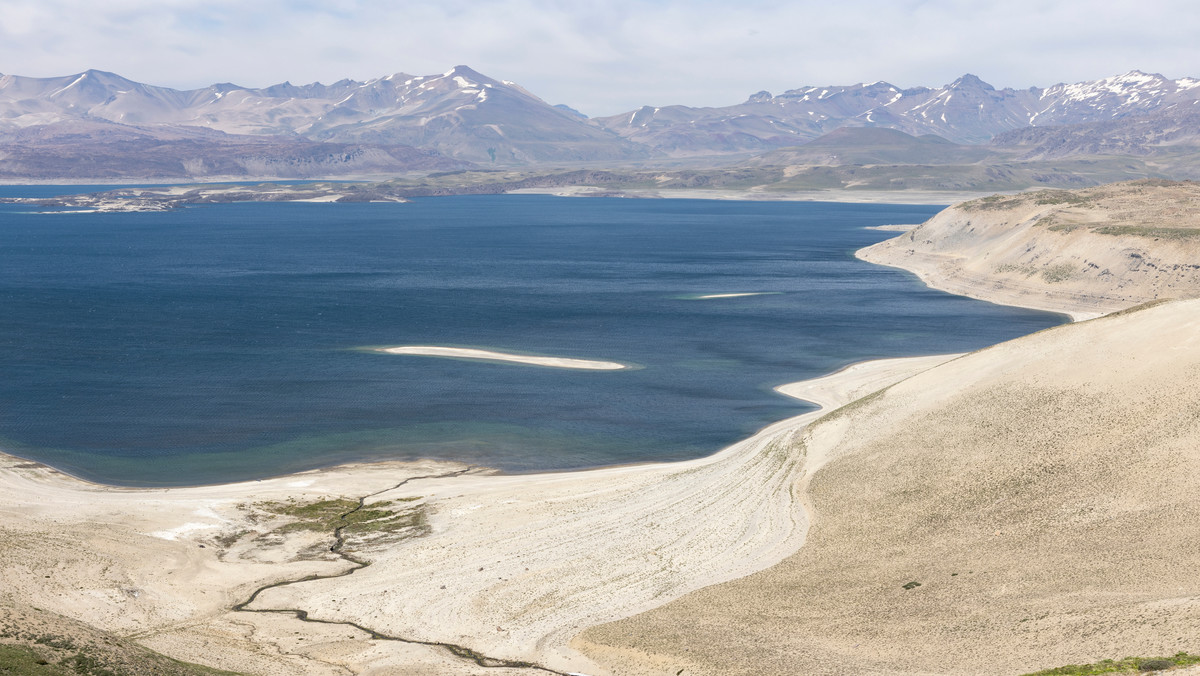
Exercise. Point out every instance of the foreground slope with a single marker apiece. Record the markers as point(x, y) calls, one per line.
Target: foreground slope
point(1088, 251)
point(1043, 493)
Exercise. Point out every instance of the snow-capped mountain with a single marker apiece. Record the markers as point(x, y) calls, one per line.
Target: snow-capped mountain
point(967, 110)
point(398, 122)
point(1131, 94)
point(460, 113)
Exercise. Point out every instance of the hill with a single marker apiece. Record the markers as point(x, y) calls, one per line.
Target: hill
point(1090, 251)
point(875, 145)
point(92, 150)
point(1027, 506)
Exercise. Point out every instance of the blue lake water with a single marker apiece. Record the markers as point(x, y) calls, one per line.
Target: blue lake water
point(221, 342)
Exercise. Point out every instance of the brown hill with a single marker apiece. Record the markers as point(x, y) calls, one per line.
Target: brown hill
point(35, 641)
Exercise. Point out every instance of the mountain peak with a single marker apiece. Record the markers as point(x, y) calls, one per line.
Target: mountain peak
point(463, 71)
point(1137, 77)
point(970, 81)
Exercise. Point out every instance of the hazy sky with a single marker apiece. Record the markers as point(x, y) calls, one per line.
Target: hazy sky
point(610, 57)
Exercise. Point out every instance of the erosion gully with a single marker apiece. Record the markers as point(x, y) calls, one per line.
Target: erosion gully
point(459, 651)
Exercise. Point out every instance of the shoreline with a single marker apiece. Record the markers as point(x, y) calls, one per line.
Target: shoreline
point(178, 188)
point(596, 534)
point(1080, 311)
point(752, 195)
point(511, 566)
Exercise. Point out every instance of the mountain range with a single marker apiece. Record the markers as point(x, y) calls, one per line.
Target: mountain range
point(100, 125)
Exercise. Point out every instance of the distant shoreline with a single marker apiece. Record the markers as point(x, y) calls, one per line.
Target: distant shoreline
point(162, 195)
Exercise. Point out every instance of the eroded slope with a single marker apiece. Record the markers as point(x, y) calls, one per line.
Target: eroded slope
point(1085, 252)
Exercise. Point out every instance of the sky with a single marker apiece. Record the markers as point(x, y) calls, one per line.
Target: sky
point(605, 58)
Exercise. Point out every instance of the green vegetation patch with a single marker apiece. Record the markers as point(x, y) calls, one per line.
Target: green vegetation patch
point(1054, 274)
point(324, 515)
point(1045, 197)
point(382, 517)
point(387, 516)
point(993, 203)
point(1156, 233)
point(1026, 270)
point(20, 660)
point(1061, 227)
point(1128, 665)
point(54, 655)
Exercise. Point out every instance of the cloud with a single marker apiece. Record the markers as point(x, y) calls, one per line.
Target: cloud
point(603, 58)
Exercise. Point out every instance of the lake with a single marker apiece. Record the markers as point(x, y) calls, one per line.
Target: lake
point(225, 342)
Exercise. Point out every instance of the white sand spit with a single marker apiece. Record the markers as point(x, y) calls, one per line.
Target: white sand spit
point(489, 355)
point(734, 295)
point(323, 198)
point(894, 227)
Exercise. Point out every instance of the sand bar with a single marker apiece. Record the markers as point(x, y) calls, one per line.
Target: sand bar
point(734, 295)
point(489, 355)
point(894, 227)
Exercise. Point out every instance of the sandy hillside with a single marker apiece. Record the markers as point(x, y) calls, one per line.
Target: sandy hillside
point(1045, 493)
point(1088, 251)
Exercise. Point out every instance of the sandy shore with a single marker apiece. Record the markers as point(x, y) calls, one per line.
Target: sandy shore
point(509, 566)
point(489, 355)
